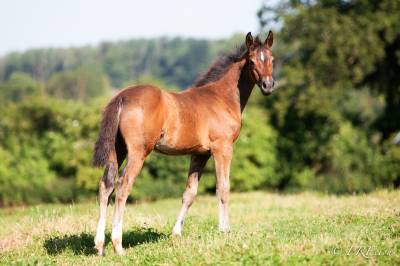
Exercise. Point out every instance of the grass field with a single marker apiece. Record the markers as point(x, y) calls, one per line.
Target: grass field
point(266, 228)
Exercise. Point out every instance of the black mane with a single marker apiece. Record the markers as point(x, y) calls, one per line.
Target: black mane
point(222, 64)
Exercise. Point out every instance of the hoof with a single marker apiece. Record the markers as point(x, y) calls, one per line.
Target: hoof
point(100, 252)
point(100, 248)
point(176, 233)
point(119, 251)
point(118, 247)
point(224, 229)
point(177, 230)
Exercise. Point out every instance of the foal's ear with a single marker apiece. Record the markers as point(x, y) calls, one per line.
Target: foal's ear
point(249, 40)
point(270, 40)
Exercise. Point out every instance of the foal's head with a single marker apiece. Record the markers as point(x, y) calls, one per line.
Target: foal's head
point(260, 62)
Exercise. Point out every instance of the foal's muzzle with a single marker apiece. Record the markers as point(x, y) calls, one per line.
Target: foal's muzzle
point(267, 85)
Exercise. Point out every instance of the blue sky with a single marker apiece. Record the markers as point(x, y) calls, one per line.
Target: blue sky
point(28, 24)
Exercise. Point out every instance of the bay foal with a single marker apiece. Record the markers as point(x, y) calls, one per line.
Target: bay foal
point(201, 121)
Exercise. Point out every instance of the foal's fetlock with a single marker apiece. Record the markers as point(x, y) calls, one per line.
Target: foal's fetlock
point(117, 244)
point(224, 228)
point(177, 231)
point(99, 245)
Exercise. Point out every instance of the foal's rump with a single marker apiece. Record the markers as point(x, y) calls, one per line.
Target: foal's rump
point(123, 119)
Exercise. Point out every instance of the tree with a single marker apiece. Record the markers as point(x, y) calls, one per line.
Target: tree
point(82, 84)
point(337, 60)
point(342, 44)
point(18, 87)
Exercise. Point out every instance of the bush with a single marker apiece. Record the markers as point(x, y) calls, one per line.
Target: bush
point(45, 143)
point(46, 149)
point(326, 140)
point(25, 177)
point(254, 160)
point(353, 164)
point(305, 120)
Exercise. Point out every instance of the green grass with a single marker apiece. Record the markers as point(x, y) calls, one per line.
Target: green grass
point(266, 228)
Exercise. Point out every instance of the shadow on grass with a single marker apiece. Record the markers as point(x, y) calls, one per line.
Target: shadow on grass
point(83, 244)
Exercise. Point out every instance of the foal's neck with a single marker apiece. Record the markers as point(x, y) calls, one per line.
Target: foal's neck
point(245, 86)
point(237, 84)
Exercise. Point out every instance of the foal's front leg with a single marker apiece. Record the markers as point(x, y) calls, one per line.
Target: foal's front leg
point(197, 164)
point(222, 156)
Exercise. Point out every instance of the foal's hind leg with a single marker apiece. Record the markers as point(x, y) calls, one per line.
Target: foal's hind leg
point(125, 182)
point(106, 187)
point(197, 164)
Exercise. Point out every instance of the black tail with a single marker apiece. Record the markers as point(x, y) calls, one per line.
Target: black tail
point(105, 144)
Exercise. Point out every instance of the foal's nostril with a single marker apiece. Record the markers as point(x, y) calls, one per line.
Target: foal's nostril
point(264, 85)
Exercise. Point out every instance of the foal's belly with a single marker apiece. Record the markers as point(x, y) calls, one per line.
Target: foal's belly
point(169, 150)
point(180, 146)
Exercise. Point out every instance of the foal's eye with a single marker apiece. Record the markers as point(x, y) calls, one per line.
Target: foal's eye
point(252, 63)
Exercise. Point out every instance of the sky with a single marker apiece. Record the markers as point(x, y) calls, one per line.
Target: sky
point(28, 24)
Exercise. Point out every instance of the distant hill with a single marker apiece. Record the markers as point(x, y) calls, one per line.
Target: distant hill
point(177, 61)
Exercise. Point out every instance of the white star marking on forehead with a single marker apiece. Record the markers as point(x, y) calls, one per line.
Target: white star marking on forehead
point(262, 56)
